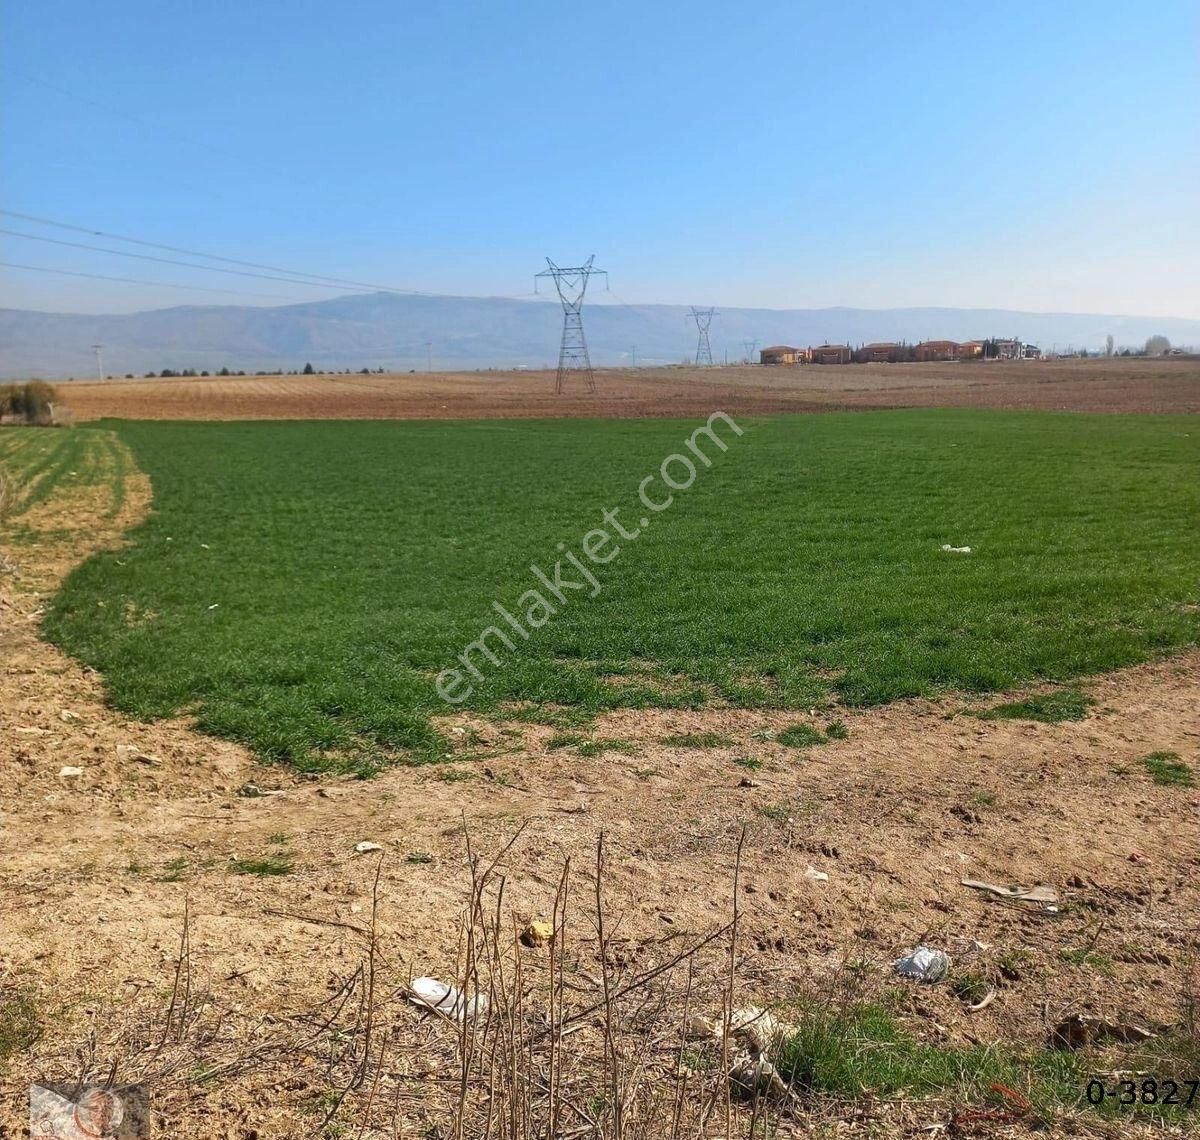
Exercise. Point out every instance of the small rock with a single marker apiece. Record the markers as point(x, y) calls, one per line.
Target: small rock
point(68, 772)
point(68, 717)
point(810, 872)
point(366, 846)
point(746, 782)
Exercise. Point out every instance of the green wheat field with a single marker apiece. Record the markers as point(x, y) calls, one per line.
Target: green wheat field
point(299, 586)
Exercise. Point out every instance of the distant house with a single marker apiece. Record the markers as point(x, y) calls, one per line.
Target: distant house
point(877, 353)
point(1031, 351)
point(971, 349)
point(831, 354)
point(938, 350)
point(779, 354)
point(1005, 349)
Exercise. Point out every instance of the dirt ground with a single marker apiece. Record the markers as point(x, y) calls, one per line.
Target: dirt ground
point(98, 866)
point(1099, 385)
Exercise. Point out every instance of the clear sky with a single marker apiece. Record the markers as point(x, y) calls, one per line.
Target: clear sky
point(1036, 155)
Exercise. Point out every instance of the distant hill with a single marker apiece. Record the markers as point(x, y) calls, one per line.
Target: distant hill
point(389, 331)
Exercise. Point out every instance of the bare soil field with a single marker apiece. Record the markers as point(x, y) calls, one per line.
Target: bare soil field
point(112, 830)
point(1116, 385)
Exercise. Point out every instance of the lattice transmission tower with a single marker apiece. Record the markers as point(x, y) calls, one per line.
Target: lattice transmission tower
point(703, 318)
point(571, 283)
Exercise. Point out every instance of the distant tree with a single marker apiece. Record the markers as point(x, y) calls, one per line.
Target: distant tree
point(128, 375)
point(309, 370)
point(203, 373)
point(223, 372)
point(1157, 345)
point(168, 373)
point(365, 372)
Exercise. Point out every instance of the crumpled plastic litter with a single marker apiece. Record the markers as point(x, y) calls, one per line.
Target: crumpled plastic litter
point(924, 964)
point(757, 1033)
point(955, 549)
point(431, 993)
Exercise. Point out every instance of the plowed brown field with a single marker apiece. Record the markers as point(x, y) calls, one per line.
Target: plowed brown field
point(1119, 385)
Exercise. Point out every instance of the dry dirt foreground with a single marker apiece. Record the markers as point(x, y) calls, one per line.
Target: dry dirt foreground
point(1115, 385)
point(98, 869)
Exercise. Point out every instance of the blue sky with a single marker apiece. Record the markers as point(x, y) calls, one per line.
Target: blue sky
point(1025, 155)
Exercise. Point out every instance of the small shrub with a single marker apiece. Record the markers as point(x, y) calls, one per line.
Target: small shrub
point(1049, 708)
point(748, 762)
point(776, 813)
point(565, 740)
point(1084, 956)
point(696, 740)
point(20, 1025)
point(418, 857)
point(591, 748)
point(800, 736)
point(271, 865)
point(175, 871)
point(31, 403)
point(454, 775)
point(837, 730)
point(969, 988)
point(1166, 768)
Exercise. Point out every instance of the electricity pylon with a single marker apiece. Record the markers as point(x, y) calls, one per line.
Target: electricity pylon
point(750, 346)
point(571, 283)
point(703, 318)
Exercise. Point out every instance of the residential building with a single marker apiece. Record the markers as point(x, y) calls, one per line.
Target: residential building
point(831, 354)
point(938, 350)
point(779, 354)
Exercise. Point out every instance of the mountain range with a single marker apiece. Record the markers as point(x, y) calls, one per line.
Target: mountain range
point(399, 332)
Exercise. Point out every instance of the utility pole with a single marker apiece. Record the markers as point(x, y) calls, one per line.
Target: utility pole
point(98, 349)
point(703, 318)
point(429, 355)
point(571, 282)
point(750, 346)
point(633, 353)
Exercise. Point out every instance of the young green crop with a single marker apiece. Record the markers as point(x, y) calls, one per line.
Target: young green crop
point(309, 580)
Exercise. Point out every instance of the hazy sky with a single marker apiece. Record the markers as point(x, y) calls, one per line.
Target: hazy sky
point(1038, 155)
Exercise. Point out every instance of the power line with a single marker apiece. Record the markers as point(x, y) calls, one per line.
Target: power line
point(196, 265)
point(315, 277)
point(163, 260)
point(293, 276)
point(141, 281)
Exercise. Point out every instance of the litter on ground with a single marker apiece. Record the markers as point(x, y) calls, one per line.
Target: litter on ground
point(445, 999)
point(924, 965)
point(1038, 894)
